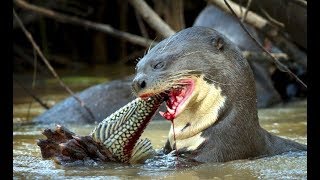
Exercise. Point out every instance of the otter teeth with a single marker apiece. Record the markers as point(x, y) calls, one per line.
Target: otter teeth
point(175, 98)
point(171, 111)
point(179, 98)
point(172, 100)
point(161, 113)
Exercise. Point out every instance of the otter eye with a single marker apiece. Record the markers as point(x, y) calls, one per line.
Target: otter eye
point(159, 65)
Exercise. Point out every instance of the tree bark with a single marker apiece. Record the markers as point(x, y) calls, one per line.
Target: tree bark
point(152, 18)
point(172, 13)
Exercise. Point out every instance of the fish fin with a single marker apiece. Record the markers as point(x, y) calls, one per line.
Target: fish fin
point(142, 151)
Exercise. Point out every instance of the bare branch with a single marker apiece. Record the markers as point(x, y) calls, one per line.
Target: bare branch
point(264, 57)
point(302, 3)
point(152, 18)
point(247, 10)
point(36, 47)
point(268, 29)
point(241, 11)
point(271, 19)
point(24, 56)
point(252, 18)
point(37, 99)
point(88, 24)
point(280, 66)
point(26, 18)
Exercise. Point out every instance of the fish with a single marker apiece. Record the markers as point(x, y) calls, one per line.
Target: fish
point(115, 139)
point(120, 132)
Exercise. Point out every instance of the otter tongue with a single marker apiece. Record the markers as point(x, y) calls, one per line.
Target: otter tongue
point(175, 97)
point(167, 115)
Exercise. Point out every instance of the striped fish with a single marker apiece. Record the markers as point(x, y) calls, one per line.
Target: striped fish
point(120, 132)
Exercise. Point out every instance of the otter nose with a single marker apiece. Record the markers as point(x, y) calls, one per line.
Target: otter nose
point(138, 84)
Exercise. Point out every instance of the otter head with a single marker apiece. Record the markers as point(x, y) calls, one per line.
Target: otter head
point(201, 73)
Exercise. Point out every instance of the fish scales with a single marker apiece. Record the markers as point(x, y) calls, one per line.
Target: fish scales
point(117, 130)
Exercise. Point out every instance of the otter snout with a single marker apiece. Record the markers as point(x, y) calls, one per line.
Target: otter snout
point(138, 84)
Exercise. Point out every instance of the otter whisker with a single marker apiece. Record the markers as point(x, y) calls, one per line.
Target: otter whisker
point(151, 44)
point(210, 78)
point(138, 59)
point(186, 73)
point(168, 41)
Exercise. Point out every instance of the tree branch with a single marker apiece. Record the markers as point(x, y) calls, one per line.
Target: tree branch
point(264, 57)
point(36, 47)
point(247, 10)
point(280, 66)
point(89, 24)
point(37, 99)
point(302, 3)
point(268, 29)
point(271, 19)
point(251, 17)
point(152, 18)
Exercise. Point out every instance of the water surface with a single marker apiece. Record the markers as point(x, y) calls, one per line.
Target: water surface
point(288, 122)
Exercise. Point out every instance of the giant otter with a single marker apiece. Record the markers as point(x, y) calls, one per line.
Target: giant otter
point(210, 97)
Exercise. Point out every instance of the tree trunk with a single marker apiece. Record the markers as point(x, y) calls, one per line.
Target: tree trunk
point(172, 13)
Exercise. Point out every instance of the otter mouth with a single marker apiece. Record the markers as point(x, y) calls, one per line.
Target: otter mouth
point(176, 98)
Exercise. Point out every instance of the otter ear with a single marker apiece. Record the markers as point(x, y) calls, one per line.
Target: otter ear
point(218, 43)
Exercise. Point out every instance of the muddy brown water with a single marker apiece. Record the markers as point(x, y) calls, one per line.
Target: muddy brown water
point(288, 121)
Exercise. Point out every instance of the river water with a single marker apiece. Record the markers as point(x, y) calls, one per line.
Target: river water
point(288, 121)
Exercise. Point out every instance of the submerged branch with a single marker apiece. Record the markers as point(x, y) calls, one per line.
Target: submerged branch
point(44, 59)
point(88, 24)
point(65, 147)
